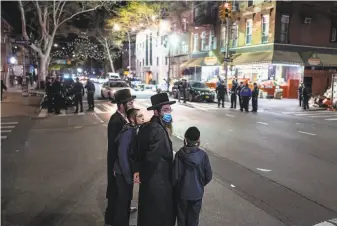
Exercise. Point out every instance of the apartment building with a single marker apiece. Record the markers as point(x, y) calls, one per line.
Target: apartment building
point(280, 43)
point(6, 47)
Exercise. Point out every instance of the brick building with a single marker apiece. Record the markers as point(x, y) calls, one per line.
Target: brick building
point(6, 47)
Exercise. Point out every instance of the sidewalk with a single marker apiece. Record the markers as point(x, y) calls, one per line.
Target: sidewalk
point(282, 105)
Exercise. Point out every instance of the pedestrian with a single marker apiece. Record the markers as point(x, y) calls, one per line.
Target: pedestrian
point(300, 89)
point(153, 160)
point(90, 86)
point(255, 96)
point(184, 89)
point(246, 94)
point(3, 87)
point(180, 90)
point(191, 173)
point(124, 102)
point(221, 91)
point(305, 97)
point(238, 92)
point(49, 92)
point(57, 92)
point(126, 142)
point(79, 93)
point(233, 94)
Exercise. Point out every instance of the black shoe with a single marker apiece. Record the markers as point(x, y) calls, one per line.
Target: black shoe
point(75, 112)
point(81, 110)
point(89, 109)
point(223, 106)
point(231, 106)
point(241, 110)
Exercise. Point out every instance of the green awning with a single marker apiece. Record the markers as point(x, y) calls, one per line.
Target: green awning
point(328, 60)
point(269, 57)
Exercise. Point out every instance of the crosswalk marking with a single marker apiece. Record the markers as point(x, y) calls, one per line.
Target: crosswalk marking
point(8, 123)
point(7, 128)
point(319, 115)
point(6, 131)
point(331, 119)
point(3, 137)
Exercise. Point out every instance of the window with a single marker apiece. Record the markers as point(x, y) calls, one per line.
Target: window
point(250, 3)
point(333, 35)
point(212, 41)
point(143, 62)
point(184, 47)
point(249, 28)
point(284, 28)
point(184, 22)
point(166, 60)
point(203, 41)
point(265, 28)
point(235, 34)
point(157, 61)
point(195, 42)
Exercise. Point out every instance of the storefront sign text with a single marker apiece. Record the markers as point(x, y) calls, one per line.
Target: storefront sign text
point(210, 61)
point(314, 61)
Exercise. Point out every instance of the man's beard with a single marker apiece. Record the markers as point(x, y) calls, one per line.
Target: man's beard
point(169, 127)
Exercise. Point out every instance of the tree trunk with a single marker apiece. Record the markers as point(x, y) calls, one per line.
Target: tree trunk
point(43, 69)
point(111, 61)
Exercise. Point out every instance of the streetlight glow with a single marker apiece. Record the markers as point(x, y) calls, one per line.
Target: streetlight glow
point(79, 70)
point(56, 45)
point(133, 29)
point(153, 17)
point(12, 60)
point(116, 27)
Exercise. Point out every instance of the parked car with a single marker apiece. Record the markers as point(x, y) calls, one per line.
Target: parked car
point(199, 91)
point(110, 87)
point(114, 76)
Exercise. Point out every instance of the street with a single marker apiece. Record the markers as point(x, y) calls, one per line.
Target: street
point(269, 168)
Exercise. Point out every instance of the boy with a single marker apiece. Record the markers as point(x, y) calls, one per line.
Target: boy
point(126, 141)
point(191, 173)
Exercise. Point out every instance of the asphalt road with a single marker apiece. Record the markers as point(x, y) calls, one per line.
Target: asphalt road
point(269, 168)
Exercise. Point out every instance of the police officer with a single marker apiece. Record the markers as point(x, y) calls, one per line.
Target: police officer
point(79, 93)
point(49, 92)
point(300, 89)
point(221, 91)
point(238, 92)
point(90, 86)
point(233, 93)
point(305, 97)
point(255, 95)
point(57, 91)
point(245, 94)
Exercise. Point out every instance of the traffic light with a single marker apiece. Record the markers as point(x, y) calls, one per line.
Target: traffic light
point(225, 11)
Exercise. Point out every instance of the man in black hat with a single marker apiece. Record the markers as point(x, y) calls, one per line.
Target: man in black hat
point(153, 166)
point(90, 86)
point(79, 93)
point(124, 102)
point(57, 91)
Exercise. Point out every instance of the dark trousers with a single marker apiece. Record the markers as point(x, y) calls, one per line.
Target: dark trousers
point(300, 99)
point(78, 100)
point(245, 103)
point(50, 102)
point(182, 92)
point(222, 99)
point(90, 98)
point(57, 103)
point(1, 93)
point(123, 202)
point(305, 103)
point(111, 198)
point(254, 103)
point(240, 102)
point(188, 212)
point(233, 100)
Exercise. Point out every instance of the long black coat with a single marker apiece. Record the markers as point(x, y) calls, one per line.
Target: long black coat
point(155, 156)
point(115, 125)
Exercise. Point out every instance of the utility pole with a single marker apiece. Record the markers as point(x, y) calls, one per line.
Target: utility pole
point(129, 39)
point(227, 49)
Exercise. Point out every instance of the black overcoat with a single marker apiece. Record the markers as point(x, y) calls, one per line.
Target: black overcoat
point(115, 125)
point(154, 157)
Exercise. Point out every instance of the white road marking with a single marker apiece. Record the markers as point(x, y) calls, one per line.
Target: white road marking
point(331, 222)
point(98, 111)
point(6, 131)
point(43, 113)
point(263, 170)
point(311, 134)
point(322, 116)
point(7, 127)
point(3, 137)
point(8, 123)
point(314, 113)
point(232, 185)
point(263, 123)
point(331, 119)
point(230, 115)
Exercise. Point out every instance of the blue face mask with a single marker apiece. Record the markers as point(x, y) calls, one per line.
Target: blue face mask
point(167, 117)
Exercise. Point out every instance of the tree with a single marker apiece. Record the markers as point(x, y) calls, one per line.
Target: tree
point(50, 16)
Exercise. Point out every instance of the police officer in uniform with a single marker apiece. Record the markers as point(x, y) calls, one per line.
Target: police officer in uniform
point(90, 86)
point(300, 89)
point(305, 97)
point(245, 94)
point(49, 92)
point(221, 91)
point(255, 95)
point(79, 93)
point(57, 91)
point(238, 91)
point(233, 93)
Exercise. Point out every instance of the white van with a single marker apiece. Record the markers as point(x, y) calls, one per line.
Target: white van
point(114, 76)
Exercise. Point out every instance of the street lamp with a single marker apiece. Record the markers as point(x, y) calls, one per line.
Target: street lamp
point(79, 70)
point(13, 60)
point(56, 45)
point(116, 27)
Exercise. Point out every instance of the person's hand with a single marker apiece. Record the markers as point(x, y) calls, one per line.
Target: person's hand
point(136, 178)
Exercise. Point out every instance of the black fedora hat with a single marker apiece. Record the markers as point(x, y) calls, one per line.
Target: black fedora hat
point(123, 96)
point(158, 100)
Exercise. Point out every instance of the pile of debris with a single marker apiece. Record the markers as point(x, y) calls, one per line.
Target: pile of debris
point(322, 101)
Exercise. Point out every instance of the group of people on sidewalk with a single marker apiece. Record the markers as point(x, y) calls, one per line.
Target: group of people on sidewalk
point(243, 92)
point(170, 187)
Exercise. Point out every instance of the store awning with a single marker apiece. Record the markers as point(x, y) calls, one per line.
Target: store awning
point(269, 57)
point(328, 60)
point(196, 62)
point(184, 65)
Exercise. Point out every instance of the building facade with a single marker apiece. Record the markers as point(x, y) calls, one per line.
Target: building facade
point(281, 43)
point(6, 48)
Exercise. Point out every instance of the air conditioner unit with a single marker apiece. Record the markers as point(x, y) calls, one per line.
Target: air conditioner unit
point(307, 20)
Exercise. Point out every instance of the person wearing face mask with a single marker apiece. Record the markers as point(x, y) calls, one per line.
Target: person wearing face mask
point(191, 173)
point(126, 141)
point(117, 121)
point(153, 166)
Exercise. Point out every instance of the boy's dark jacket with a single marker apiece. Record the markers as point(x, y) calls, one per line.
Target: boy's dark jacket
point(191, 172)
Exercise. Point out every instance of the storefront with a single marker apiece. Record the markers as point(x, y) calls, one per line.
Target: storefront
point(270, 70)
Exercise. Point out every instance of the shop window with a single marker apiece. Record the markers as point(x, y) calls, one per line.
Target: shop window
point(333, 35)
point(235, 34)
point(284, 28)
point(265, 28)
point(249, 3)
point(184, 47)
point(249, 29)
point(195, 42)
point(212, 41)
point(204, 45)
point(184, 23)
